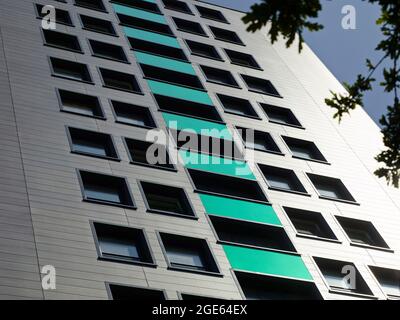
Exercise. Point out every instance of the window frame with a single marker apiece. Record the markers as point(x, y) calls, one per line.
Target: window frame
point(113, 34)
point(279, 153)
point(103, 9)
point(148, 111)
point(257, 67)
point(190, 12)
point(109, 292)
point(284, 139)
point(387, 295)
point(104, 85)
point(239, 43)
point(254, 116)
point(71, 24)
point(222, 20)
point(168, 32)
point(244, 76)
point(263, 105)
point(157, 11)
point(47, 44)
point(227, 72)
point(60, 76)
point(187, 41)
point(200, 34)
point(96, 55)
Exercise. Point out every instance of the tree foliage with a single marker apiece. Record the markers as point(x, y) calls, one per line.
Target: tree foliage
point(289, 18)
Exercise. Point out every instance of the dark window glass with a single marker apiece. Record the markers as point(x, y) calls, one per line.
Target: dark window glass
point(251, 234)
point(177, 6)
point(212, 14)
point(189, 297)
point(62, 16)
point(238, 106)
point(310, 223)
point(92, 143)
point(226, 35)
point(337, 280)
point(304, 149)
point(91, 4)
point(138, 152)
point(119, 81)
point(70, 69)
point(242, 59)
point(259, 85)
point(151, 26)
point(122, 244)
point(189, 254)
point(330, 188)
point(280, 115)
point(362, 232)
point(160, 50)
point(258, 140)
point(170, 76)
point(219, 76)
point(140, 4)
point(121, 292)
point(389, 279)
point(133, 115)
point(203, 50)
point(98, 25)
point(166, 199)
point(260, 287)
point(282, 179)
point(106, 189)
point(61, 40)
point(189, 26)
point(108, 51)
point(79, 103)
point(225, 185)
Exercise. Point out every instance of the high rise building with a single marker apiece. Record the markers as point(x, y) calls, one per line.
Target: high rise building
point(301, 217)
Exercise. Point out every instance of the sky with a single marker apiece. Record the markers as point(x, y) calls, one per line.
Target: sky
point(344, 51)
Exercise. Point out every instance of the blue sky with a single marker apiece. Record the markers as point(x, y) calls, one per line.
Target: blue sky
point(343, 51)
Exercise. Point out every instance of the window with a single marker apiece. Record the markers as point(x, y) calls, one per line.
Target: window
point(161, 74)
point(259, 287)
point(91, 4)
point(362, 232)
point(190, 27)
point(189, 108)
point(389, 279)
point(242, 59)
point(282, 179)
point(332, 271)
point(105, 189)
point(61, 41)
point(251, 234)
point(260, 85)
point(97, 25)
point(331, 188)
point(177, 6)
point(227, 186)
point(186, 296)
point(219, 76)
point(121, 292)
point(226, 35)
point(237, 106)
point(133, 115)
point(108, 51)
point(166, 199)
point(81, 104)
point(211, 14)
point(203, 50)
point(92, 144)
point(258, 140)
point(138, 149)
point(70, 70)
point(140, 4)
point(188, 254)
point(280, 115)
point(310, 224)
point(119, 81)
point(62, 16)
point(148, 25)
point(122, 244)
point(159, 49)
point(303, 149)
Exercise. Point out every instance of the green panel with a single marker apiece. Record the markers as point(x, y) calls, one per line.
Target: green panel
point(151, 37)
point(267, 262)
point(171, 90)
point(139, 14)
point(215, 164)
point(165, 63)
point(202, 127)
point(239, 209)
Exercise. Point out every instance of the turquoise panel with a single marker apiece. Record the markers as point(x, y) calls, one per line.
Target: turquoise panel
point(165, 63)
point(151, 37)
point(170, 90)
point(215, 164)
point(267, 262)
point(239, 209)
point(139, 14)
point(202, 127)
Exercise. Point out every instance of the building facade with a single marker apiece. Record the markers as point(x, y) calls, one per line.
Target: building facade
point(302, 216)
